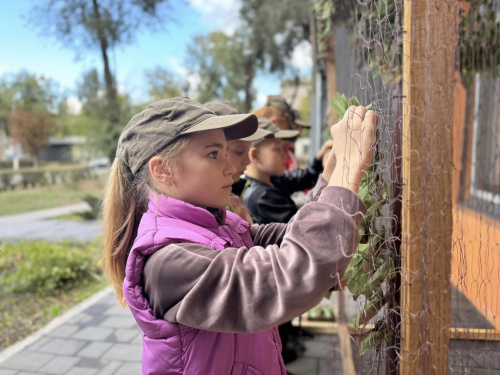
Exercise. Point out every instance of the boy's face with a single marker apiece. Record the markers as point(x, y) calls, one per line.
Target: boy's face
point(271, 157)
point(237, 153)
point(283, 123)
point(204, 176)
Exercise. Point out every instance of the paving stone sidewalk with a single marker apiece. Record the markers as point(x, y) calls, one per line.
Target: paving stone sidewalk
point(98, 337)
point(37, 225)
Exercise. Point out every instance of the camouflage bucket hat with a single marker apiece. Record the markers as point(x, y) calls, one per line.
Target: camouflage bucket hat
point(163, 122)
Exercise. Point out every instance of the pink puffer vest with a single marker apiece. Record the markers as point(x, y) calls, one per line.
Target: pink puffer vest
point(170, 348)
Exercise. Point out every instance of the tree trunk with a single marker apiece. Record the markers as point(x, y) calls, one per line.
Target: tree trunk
point(296, 83)
point(111, 94)
point(250, 74)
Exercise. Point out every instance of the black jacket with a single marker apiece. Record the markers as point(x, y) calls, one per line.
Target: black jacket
point(272, 204)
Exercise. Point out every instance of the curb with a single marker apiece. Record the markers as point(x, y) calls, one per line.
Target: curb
point(47, 213)
point(54, 323)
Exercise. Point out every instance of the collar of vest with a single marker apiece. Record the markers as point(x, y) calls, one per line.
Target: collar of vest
point(164, 206)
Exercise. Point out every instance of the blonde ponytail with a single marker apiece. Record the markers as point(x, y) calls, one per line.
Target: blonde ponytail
point(124, 203)
point(121, 213)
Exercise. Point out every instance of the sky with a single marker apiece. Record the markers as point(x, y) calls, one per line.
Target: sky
point(23, 48)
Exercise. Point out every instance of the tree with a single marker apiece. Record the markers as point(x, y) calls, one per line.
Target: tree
point(5, 104)
point(30, 92)
point(31, 130)
point(26, 103)
point(161, 84)
point(228, 64)
point(90, 92)
point(99, 25)
point(104, 134)
point(222, 63)
point(276, 27)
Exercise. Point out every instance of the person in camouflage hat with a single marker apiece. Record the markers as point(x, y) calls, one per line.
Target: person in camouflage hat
point(280, 113)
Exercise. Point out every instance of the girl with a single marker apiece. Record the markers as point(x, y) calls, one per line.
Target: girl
point(206, 288)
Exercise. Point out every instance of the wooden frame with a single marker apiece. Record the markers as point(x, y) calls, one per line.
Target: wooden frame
point(332, 328)
point(428, 81)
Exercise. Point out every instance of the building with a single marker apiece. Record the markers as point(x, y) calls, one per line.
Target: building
point(70, 149)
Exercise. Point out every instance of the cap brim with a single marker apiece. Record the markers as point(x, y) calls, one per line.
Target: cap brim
point(234, 126)
point(286, 134)
point(302, 124)
point(259, 134)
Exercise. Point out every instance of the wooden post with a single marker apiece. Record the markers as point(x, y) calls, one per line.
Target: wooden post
point(331, 75)
point(428, 74)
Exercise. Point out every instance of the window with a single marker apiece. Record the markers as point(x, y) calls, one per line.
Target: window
point(485, 163)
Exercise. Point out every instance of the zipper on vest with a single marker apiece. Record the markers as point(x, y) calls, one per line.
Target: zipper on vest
point(278, 350)
point(234, 237)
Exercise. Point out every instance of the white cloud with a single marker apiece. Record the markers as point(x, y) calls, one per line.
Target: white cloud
point(301, 56)
point(223, 15)
point(74, 105)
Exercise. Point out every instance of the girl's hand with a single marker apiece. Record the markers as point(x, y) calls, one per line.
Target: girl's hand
point(353, 143)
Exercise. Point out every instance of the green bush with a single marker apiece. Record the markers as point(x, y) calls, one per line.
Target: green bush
point(44, 268)
point(68, 174)
point(95, 204)
point(22, 163)
point(6, 181)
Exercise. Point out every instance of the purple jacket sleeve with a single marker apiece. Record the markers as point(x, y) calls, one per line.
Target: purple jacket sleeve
point(248, 290)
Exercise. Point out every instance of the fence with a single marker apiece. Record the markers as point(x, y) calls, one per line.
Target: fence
point(427, 299)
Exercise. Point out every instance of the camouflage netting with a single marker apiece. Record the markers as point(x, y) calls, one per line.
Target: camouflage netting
point(365, 39)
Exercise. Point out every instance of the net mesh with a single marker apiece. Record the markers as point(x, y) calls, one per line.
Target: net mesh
point(400, 310)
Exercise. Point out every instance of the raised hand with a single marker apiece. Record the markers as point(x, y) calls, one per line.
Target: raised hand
point(353, 144)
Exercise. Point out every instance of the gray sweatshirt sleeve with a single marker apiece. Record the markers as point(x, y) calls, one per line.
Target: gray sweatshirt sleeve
point(314, 194)
point(248, 290)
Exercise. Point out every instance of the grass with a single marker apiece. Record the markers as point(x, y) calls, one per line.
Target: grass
point(25, 304)
point(20, 201)
point(23, 314)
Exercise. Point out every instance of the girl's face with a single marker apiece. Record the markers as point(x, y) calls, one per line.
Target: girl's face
point(271, 156)
point(204, 176)
point(237, 153)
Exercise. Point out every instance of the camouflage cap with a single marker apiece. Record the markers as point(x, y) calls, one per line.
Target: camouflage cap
point(223, 108)
point(161, 123)
point(265, 124)
point(227, 108)
point(299, 121)
point(279, 102)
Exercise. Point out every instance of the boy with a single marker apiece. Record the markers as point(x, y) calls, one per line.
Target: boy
point(279, 112)
point(268, 195)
